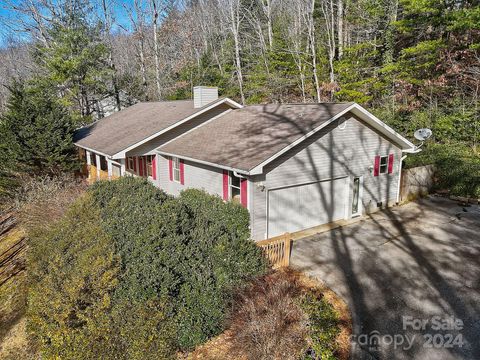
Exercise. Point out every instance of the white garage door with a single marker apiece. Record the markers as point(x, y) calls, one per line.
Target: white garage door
point(304, 206)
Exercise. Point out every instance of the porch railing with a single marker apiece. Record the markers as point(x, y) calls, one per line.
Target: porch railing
point(277, 250)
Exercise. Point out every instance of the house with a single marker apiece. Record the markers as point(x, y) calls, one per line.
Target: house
point(294, 166)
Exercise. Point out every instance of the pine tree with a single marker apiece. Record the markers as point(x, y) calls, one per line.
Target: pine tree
point(37, 131)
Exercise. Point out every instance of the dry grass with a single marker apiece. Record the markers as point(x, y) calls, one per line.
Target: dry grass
point(266, 322)
point(43, 200)
point(39, 203)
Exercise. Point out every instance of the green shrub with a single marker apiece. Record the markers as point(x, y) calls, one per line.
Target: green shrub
point(323, 327)
point(73, 272)
point(191, 250)
point(218, 257)
point(457, 167)
point(131, 273)
point(131, 211)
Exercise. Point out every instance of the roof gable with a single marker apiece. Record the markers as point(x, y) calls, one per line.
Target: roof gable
point(247, 139)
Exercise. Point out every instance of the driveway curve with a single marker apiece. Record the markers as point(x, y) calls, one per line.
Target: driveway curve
point(411, 277)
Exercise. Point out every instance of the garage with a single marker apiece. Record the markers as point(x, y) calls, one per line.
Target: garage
point(303, 206)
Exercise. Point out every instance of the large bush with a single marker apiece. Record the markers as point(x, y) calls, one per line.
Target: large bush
point(73, 312)
point(191, 250)
point(131, 273)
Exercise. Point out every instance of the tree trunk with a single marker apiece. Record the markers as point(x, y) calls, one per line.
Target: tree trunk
point(268, 13)
point(155, 49)
point(311, 41)
point(111, 63)
point(340, 28)
point(238, 65)
point(235, 27)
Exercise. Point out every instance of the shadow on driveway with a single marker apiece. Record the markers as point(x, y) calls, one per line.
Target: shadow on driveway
point(419, 262)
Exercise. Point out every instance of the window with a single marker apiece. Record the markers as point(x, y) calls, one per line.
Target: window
point(176, 169)
point(116, 171)
point(103, 163)
point(130, 165)
point(383, 164)
point(235, 188)
point(356, 195)
point(149, 165)
point(93, 159)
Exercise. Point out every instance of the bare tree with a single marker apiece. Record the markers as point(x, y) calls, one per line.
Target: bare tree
point(137, 20)
point(155, 47)
point(108, 22)
point(234, 14)
point(310, 22)
point(340, 35)
point(329, 17)
point(296, 39)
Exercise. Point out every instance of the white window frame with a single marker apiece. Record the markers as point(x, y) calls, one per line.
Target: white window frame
point(230, 186)
point(380, 165)
point(130, 165)
point(176, 169)
point(149, 165)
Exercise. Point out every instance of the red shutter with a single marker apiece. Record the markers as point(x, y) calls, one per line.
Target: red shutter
point(170, 169)
point(225, 185)
point(154, 167)
point(134, 163)
point(376, 168)
point(243, 192)
point(182, 173)
point(390, 163)
point(140, 165)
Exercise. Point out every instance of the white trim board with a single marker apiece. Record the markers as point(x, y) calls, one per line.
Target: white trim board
point(93, 151)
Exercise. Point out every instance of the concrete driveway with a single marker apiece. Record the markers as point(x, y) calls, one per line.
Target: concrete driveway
point(411, 276)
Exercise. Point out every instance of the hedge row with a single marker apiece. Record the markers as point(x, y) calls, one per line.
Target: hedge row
point(132, 273)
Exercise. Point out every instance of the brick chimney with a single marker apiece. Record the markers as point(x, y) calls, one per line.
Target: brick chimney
point(203, 95)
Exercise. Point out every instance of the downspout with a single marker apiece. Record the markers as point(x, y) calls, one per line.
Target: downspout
point(400, 177)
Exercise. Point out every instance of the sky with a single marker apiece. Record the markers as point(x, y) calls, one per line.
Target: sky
point(10, 18)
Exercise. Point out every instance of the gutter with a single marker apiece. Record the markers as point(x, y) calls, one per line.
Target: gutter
point(94, 151)
point(237, 172)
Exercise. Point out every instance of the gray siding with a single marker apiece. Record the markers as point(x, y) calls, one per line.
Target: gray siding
point(332, 152)
point(196, 176)
point(149, 147)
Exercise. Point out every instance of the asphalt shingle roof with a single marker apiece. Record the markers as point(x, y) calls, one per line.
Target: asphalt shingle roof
point(244, 138)
point(122, 129)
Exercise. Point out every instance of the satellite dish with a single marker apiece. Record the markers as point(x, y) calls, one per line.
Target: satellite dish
point(422, 134)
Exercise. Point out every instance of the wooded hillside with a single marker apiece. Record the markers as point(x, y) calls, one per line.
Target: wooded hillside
point(415, 63)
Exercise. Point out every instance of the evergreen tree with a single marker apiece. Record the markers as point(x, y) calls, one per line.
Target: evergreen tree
point(36, 131)
point(76, 60)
